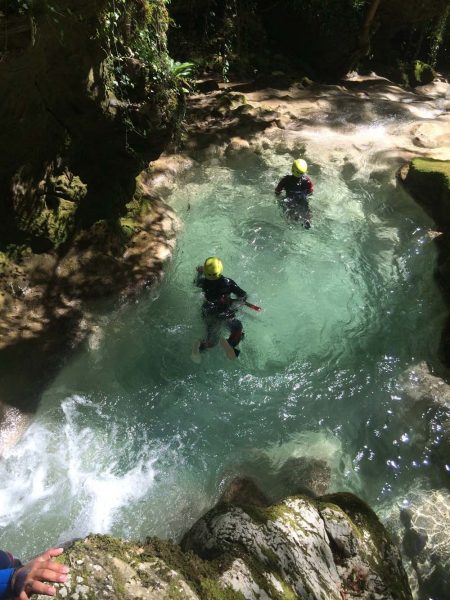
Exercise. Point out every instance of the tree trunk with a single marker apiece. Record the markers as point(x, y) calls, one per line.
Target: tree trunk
point(363, 46)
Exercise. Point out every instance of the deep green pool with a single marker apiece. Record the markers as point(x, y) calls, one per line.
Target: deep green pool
point(133, 438)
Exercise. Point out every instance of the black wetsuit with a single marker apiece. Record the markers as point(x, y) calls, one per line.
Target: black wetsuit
point(297, 191)
point(217, 310)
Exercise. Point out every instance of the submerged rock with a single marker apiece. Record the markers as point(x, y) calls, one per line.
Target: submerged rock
point(428, 394)
point(423, 526)
point(306, 475)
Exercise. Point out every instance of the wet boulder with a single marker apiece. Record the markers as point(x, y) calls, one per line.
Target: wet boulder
point(300, 548)
point(428, 181)
point(244, 548)
point(105, 567)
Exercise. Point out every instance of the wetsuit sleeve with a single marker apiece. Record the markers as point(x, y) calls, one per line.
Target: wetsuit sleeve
point(281, 185)
point(8, 565)
point(236, 290)
point(199, 279)
point(309, 185)
point(5, 583)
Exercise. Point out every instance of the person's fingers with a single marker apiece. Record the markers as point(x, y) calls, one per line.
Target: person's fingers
point(53, 566)
point(48, 554)
point(55, 551)
point(38, 587)
point(48, 574)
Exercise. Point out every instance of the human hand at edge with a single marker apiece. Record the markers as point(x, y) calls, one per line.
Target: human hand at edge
point(28, 580)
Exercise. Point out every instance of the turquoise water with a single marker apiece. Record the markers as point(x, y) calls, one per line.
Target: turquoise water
point(133, 438)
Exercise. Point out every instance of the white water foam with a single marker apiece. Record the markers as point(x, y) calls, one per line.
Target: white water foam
point(84, 470)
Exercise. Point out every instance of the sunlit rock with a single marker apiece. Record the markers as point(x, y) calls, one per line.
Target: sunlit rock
point(421, 523)
point(308, 548)
point(331, 547)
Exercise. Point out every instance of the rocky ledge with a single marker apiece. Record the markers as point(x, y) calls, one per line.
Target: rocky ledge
point(49, 303)
point(329, 548)
point(428, 181)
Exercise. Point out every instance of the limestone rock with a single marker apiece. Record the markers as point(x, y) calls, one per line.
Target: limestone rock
point(237, 145)
point(424, 387)
point(321, 549)
point(162, 173)
point(103, 567)
point(306, 548)
point(240, 578)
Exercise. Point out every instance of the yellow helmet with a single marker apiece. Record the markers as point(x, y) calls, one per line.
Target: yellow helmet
point(299, 167)
point(213, 268)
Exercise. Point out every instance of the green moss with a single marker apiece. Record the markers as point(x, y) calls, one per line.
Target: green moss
point(359, 512)
point(213, 591)
point(109, 545)
point(272, 565)
point(271, 513)
point(174, 592)
point(4, 259)
point(139, 205)
point(270, 556)
point(428, 180)
point(47, 211)
point(423, 73)
point(430, 165)
point(288, 592)
point(66, 186)
point(258, 514)
point(128, 227)
point(191, 567)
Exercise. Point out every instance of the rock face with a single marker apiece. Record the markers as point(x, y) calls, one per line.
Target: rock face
point(324, 549)
point(47, 302)
point(428, 181)
point(302, 548)
point(81, 116)
point(102, 567)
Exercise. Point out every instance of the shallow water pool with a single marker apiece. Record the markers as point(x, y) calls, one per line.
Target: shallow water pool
point(134, 439)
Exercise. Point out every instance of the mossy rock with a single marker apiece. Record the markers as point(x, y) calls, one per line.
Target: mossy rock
point(407, 73)
point(102, 565)
point(421, 73)
point(67, 186)
point(428, 181)
point(296, 532)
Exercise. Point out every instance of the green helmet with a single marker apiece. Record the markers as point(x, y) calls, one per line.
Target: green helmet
point(213, 268)
point(299, 167)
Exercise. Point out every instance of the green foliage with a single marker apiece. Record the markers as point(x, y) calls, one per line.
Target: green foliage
point(182, 73)
point(318, 37)
point(181, 70)
point(438, 35)
point(133, 36)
